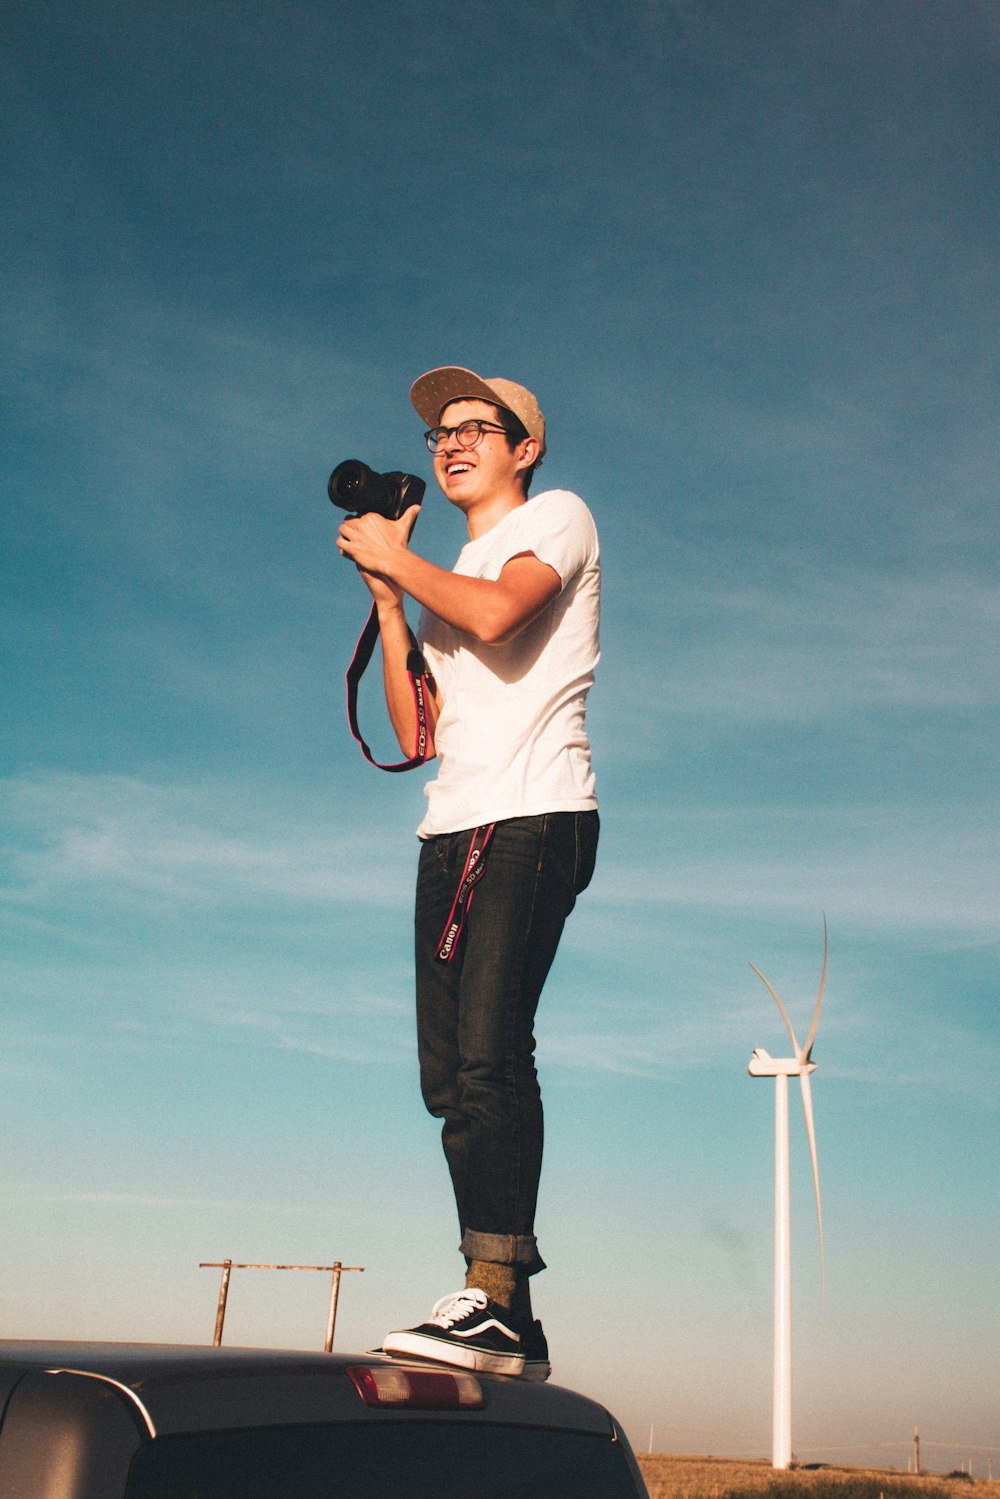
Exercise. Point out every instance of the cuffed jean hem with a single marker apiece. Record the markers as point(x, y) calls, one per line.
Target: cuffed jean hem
point(503, 1249)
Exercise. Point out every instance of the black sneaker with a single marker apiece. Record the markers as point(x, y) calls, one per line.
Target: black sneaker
point(467, 1329)
point(536, 1354)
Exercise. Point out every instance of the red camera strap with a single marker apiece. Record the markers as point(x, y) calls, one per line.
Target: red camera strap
point(416, 670)
point(475, 868)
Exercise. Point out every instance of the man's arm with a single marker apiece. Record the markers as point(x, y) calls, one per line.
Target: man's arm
point(491, 611)
point(394, 635)
point(394, 639)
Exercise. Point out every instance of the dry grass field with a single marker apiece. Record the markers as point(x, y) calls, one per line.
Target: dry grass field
point(670, 1477)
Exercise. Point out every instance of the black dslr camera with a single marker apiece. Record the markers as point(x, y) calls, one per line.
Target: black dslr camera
point(357, 488)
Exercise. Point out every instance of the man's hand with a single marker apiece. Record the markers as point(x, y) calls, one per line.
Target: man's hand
point(375, 545)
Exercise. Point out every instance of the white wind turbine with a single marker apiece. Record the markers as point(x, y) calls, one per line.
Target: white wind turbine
point(781, 1069)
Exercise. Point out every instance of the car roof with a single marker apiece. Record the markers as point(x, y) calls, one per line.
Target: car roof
point(184, 1389)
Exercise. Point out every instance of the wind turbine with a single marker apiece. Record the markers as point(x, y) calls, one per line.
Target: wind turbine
point(781, 1069)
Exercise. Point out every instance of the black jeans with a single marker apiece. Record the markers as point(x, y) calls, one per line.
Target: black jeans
point(475, 1015)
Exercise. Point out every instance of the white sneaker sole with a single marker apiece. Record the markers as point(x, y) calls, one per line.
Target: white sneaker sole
point(445, 1351)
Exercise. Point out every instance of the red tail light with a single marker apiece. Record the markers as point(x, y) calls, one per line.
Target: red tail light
point(420, 1389)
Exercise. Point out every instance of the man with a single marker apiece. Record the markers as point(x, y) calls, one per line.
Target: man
point(510, 638)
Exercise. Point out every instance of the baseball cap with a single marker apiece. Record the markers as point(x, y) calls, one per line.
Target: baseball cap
point(430, 393)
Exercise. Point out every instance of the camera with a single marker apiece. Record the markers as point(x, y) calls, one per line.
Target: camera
point(356, 487)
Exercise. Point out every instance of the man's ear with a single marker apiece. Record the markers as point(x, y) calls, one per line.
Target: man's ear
point(528, 450)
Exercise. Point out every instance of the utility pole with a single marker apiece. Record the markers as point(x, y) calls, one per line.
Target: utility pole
point(916, 1449)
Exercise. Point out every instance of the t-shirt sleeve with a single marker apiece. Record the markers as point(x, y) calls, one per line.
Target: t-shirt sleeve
point(561, 533)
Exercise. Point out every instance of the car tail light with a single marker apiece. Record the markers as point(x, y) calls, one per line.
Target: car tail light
point(420, 1389)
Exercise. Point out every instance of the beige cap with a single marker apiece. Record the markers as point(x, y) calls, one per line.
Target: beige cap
point(432, 392)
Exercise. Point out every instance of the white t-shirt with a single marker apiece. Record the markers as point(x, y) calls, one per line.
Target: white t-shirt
point(510, 739)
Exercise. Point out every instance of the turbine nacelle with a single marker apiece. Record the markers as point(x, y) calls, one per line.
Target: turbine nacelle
point(762, 1064)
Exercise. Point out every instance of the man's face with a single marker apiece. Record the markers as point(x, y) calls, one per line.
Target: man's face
point(471, 475)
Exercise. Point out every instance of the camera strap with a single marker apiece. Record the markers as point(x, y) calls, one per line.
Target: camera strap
point(416, 670)
point(475, 868)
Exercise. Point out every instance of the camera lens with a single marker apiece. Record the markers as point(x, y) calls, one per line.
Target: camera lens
point(354, 486)
point(348, 482)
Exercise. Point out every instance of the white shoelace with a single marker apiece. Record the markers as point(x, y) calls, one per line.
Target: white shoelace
point(451, 1309)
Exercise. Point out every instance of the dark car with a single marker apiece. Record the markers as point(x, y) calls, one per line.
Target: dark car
point(141, 1421)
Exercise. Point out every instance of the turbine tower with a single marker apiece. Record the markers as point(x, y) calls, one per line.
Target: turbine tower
point(781, 1069)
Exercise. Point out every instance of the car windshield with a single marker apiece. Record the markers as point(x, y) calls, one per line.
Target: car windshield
point(419, 1460)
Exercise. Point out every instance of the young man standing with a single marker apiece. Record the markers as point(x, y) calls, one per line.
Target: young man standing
point(510, 638)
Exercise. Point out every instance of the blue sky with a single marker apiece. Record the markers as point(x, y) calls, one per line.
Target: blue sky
point(747, 258)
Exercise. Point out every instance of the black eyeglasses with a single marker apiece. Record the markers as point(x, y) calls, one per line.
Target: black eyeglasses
point(467, 434)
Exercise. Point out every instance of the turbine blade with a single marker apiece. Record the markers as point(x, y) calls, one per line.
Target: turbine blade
point(784, 1012)
point(807, 1109)
point(819, 1001)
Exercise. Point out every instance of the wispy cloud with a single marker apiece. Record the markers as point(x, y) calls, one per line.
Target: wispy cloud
point(131, 840)
point(136, 1004)
point(929, 871)
point(872, 1032)
point(811, 647)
